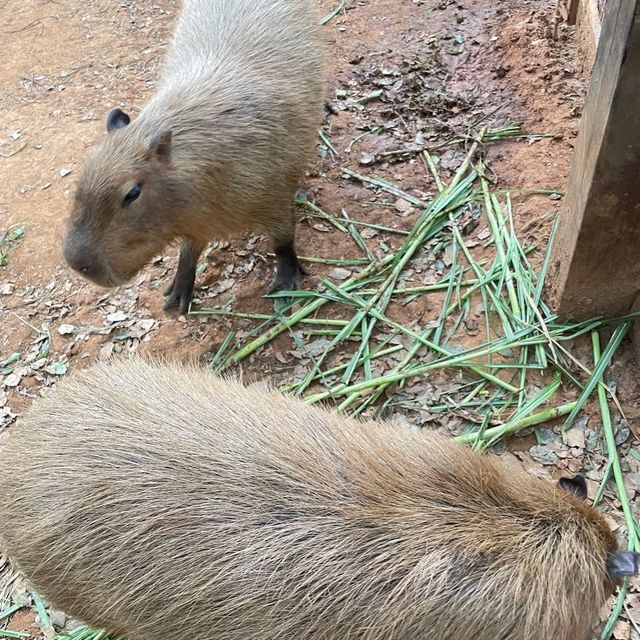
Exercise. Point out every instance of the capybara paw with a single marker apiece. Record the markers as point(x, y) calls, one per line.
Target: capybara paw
point(283, 283)
point(178, 298)
point(329, 110)
point(169, 290)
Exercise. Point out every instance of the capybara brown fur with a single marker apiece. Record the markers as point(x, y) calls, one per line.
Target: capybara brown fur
point(159, 501)
point(220, 148)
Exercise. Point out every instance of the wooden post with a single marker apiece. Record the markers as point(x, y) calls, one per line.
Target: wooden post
point(596, 259)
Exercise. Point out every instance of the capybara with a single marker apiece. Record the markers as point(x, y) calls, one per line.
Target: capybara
point(159, 501)
point(220, 148)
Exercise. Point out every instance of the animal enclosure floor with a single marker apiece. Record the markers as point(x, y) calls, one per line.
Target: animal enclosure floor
point(404, 75)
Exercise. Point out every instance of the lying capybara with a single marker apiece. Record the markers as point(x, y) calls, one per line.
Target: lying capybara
point(220, 148)
point(163, 502)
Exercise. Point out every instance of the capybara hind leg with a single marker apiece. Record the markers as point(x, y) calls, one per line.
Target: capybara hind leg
point(288, 268)
point(181, 289)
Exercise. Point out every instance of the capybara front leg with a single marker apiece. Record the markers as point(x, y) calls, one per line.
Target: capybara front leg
point(181, 289)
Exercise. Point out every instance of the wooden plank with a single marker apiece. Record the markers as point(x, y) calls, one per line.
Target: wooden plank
point(596, 260)
point(572, 11)
point(588, 31)
point(585, 16)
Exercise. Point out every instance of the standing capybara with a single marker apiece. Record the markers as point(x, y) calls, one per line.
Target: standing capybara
point(162, 502)
point(220, 148)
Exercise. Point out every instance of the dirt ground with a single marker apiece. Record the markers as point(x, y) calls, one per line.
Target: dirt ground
point(404, 74)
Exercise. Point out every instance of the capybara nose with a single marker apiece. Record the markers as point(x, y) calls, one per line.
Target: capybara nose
point(81, 257)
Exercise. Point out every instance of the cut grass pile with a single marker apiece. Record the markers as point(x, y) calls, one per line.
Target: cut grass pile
point(521, 335)
point(518, 373)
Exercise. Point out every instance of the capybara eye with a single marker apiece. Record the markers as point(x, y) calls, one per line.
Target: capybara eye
point(134, 194)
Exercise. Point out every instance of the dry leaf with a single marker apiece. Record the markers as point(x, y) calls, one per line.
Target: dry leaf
point(12, 380)
point(622, 630)
point(339, 274)
point(403, 206)
point(66, 329)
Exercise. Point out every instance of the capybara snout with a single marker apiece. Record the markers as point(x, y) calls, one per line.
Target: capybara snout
point(81, 256)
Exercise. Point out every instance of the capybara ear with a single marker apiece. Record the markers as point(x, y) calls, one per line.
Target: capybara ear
point(160, 145)
point(576, 485)
point(117, 119)
point(623, 564)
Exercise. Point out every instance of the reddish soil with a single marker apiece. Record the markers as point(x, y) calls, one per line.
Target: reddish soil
point(443, 66)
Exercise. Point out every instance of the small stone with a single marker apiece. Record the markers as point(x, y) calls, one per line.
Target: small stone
point(544, 454)
point(58, 619)
point(147, 324)
point(591, 439)
point(38, 364)
point(575, 438)
point(57, 369)
point(318, 347)
point(226, 284)
point(622, 630)
point(401, 421)
point(622, 433)
point(106, 351)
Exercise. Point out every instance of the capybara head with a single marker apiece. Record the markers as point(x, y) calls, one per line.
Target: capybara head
point(125, 203)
